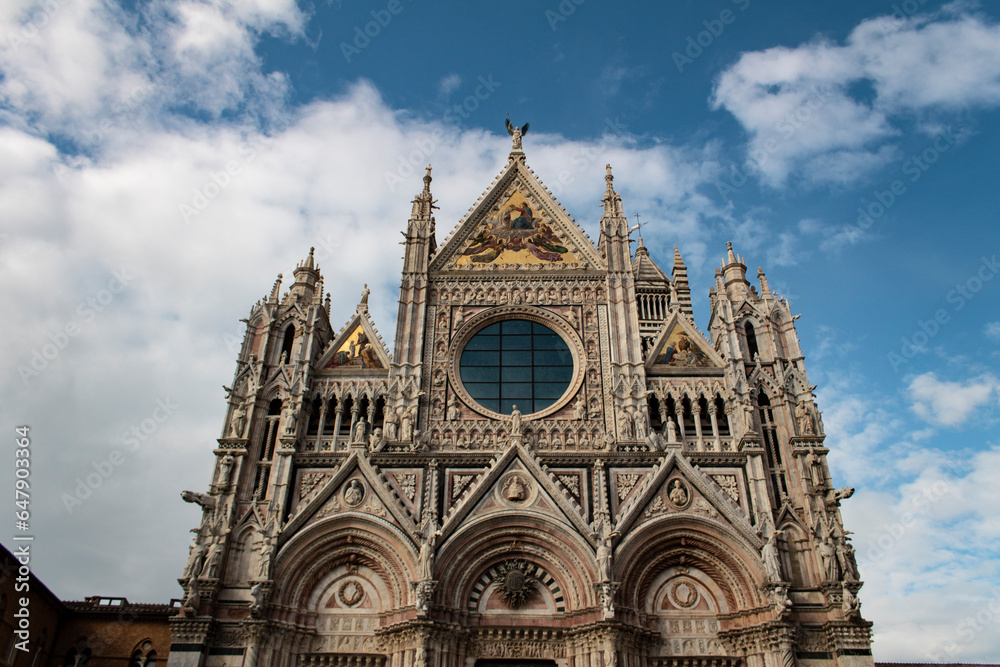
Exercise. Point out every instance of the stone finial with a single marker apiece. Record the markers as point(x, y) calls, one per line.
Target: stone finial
point(276, 290)
point(612, 201)
point(765, 289)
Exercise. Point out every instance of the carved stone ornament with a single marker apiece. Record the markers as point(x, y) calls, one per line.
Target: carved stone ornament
point(678, 493)
point(351, 593)
point(354, 493)
point(515, 489)
point(514, 585)
point(683, 594)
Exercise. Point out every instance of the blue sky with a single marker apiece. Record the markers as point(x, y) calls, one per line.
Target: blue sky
point(161, 162)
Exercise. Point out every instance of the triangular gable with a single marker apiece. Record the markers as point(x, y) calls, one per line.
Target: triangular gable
point(371, 496)
point(679, 345)
point(516, 467)
point(357, 346)
point(517, 222)
point(695, 495)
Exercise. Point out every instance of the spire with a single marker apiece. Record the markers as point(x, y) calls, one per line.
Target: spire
point(423, 203)
point(734, 271)
point(276, 290)
point(680, 277)
point(765, 289)
point(306, 276)
point(612, 202)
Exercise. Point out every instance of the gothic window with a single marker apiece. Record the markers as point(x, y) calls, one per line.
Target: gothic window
point(655, 420)
point(516, 362)
point(269, 437)
point(144, 656)
point(705, 417)
point(721, 416)
point(751, 340)
point(779, 337)
point(345, 420)
point(331, 416)
point(772, 450)
point(313, 427)
point(286, 344)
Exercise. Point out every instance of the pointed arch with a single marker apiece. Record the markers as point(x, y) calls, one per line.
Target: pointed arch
point(350, 539)
point(689, 541)
point(553, 547)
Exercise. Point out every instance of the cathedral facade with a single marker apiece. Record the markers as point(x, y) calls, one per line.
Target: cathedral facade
point(554, 466)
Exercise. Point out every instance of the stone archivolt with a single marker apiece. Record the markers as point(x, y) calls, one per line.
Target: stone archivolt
point(672, 507)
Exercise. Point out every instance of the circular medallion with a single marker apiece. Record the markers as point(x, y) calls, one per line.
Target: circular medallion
point(354, 493)
point(351, 593)
point(514, 581)
point(683, 594)
point(515, 489)
point(514, 585)
point(678, 493)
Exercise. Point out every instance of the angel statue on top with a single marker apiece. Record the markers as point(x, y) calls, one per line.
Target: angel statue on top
point(516, 132)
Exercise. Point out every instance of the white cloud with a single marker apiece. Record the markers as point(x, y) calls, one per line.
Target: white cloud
point(992, 330)
point(806, 109)
point(449, 84)
point(925, 529)
point(950, 403)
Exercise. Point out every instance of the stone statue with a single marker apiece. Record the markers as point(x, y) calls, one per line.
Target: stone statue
point(257, 596)
point(264, 563)
point(772, 559)
point(289, 415)
point(803, 419)
point(747, 414)
point(845, 557)
point(192, 601)
point(375, 438)
point(515, 421)
point(678, 494)
point(579, 409)
point(213, 560)
point(516, 490)
point(406, 422)
point(390, 425)
point(516, 132)
point(427, 541)
point(459, 317)
point(640, 425)
point(574, 320)
point(815, 470)
point(360, 430)
point(671, 431)
point(625, 423)
point(828, 554)
point(364, 295)
point(454, 413)
point(239, 421)
point(850, 605)
point(604, 552)
point(354, 493)
point(225, 467)
point(196, 560)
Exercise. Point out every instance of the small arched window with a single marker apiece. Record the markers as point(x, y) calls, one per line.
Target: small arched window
point(751, 340)
point(287, 343)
